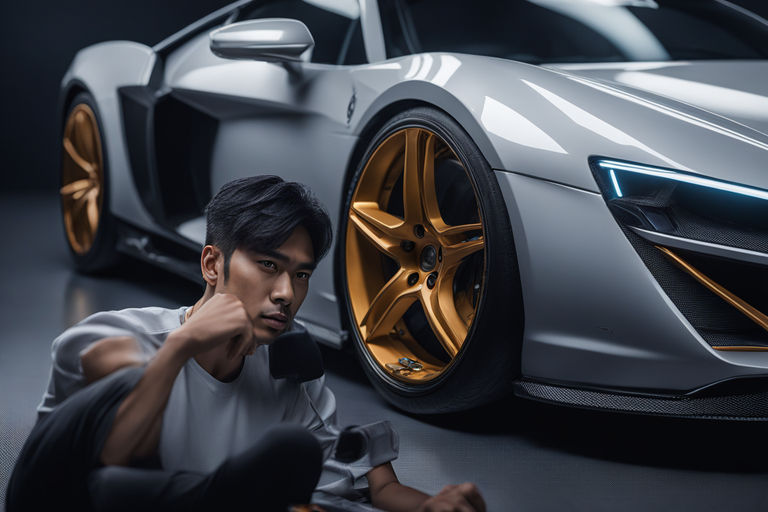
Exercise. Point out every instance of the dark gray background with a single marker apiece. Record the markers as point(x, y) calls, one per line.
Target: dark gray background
point(39, 40)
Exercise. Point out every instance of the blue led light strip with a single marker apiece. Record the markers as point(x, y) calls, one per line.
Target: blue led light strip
point(616, 184)
point(613, 166)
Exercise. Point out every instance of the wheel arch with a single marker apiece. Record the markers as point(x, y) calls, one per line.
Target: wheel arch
point(67, 95)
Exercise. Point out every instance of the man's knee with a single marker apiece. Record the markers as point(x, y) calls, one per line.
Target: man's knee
point(283, 467)
point(118, 488)
point(295, 443)
point(105, 488)
point(290, 454)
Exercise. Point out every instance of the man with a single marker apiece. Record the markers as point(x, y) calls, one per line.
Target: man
point(176, 409)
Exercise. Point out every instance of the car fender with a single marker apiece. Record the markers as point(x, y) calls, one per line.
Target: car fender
point(101, 69)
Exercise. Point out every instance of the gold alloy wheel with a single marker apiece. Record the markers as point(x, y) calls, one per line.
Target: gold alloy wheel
point(82, 178)
point(403, 258)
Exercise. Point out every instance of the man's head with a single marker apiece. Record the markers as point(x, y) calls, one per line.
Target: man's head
point(264, 238)
point(260, 213)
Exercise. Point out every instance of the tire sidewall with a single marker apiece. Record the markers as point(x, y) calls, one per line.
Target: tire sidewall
point(490, 358)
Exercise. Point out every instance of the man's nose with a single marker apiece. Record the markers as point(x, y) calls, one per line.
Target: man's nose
point(282, 291)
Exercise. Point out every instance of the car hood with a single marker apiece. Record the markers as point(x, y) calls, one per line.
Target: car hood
point(737, 90)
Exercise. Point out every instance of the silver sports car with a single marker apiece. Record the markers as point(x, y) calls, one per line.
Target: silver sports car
point(564, 198)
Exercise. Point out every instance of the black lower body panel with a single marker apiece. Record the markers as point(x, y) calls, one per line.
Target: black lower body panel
point(732, 400)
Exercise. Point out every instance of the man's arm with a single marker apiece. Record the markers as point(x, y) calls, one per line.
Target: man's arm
point(387, 493)
point(108, 355)
point(135, 429)
point(143, 407)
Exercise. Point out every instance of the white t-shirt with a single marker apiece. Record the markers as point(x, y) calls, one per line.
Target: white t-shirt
point(206, 420)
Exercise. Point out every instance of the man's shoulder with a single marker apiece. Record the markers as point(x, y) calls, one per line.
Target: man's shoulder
point(148, 325)
point(148, 320)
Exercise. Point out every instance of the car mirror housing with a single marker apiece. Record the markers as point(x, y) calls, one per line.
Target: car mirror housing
point(270, 40)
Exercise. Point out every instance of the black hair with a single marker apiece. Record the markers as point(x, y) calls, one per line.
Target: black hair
point(259, 213)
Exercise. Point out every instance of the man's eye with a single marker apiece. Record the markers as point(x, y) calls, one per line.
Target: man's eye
point(303, 275)
point(268, 264)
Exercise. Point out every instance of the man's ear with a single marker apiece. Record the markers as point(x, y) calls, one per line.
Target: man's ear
point(211, 264)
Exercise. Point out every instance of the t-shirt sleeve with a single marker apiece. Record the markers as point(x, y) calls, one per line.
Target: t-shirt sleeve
point(346, 479)
point(317, 411)
point(66, 375)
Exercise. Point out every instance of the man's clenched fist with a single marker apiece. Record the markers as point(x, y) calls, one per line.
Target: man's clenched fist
point(220, 320)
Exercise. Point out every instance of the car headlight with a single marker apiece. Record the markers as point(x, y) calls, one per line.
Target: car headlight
point(702, 239)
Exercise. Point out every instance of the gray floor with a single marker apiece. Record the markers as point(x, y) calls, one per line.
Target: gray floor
point(522, 455)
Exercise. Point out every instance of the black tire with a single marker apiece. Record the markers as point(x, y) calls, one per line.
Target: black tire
point(98, 253)
point(489, 359)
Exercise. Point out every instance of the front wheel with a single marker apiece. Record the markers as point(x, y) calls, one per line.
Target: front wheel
point(428, 268)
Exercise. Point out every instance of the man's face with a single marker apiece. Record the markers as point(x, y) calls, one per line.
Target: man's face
point(272, 285)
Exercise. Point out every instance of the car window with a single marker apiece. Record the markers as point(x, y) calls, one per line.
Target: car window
point(557, 31)
point(334, 24)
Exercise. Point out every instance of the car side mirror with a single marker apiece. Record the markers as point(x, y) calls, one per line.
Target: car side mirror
point(269, 39)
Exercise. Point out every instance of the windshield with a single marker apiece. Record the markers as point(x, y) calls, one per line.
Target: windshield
point(559, 31)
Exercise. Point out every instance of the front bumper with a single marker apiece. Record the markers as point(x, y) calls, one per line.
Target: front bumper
point(595, 316)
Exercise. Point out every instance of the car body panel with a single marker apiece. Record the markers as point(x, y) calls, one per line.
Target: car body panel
point(582, 320)
point(736, 90)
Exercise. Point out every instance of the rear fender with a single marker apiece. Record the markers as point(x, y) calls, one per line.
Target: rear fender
point(100, 70)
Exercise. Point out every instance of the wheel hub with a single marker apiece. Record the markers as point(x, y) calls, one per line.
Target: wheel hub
point(428, 258)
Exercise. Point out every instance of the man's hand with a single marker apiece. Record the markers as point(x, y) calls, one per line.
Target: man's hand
point(222, 319)
point(387, 493)
point(455, 498)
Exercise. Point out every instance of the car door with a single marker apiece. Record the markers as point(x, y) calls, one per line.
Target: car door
point(274, 118)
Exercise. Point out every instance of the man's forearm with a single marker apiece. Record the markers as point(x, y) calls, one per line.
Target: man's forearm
point(143, 406)
point(396, 497)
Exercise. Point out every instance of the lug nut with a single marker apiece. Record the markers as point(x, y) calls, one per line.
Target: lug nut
point(431, 280)
point(407, 245)
point(418, 230)
point(413, 279)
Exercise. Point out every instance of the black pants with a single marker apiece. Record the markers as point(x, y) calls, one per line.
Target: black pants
point(59, 465)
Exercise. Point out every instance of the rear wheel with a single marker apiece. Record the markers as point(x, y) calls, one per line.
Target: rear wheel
point(428, 266)
point(88, 226)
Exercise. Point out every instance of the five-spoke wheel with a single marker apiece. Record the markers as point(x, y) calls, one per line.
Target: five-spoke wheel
point(416, 260)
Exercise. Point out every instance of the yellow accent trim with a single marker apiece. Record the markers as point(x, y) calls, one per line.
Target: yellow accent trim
point(735, 301)
point(741, 348)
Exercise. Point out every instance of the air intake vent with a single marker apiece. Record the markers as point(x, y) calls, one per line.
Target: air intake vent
point(705, 241)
